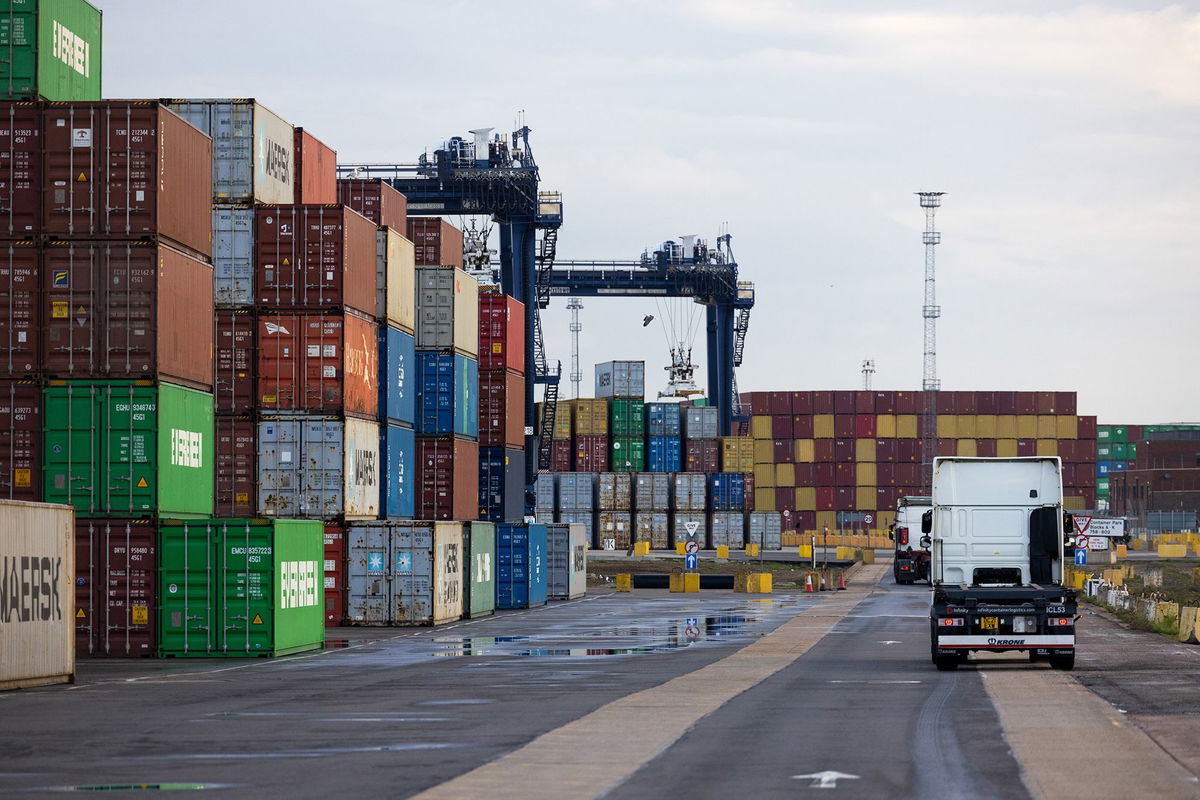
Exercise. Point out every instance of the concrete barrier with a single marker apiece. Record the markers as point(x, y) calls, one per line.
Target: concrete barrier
point(1187, 625)
point(624, 582)
point(1166, 614)
point(685, 582)
point(760, 583)
point(723, 552)
point(1122, 551)
point(752, 549)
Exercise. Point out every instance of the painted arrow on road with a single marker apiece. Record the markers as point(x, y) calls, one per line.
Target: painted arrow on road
point(825, 780)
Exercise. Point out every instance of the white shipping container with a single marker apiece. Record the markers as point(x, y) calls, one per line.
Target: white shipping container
point(396, 280)
point(37, 590)
point(566, 560)
point(621, 379)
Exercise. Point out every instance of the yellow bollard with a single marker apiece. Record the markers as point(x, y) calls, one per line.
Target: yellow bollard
point(752, 549)
point(805, 551)
point(641, 548)
point(741, 582)
point(759, 583)
point(868, 556)
point(1122, 551)
point(723, 552)
point(679, 548)
point(684, 582)
point(624, 582)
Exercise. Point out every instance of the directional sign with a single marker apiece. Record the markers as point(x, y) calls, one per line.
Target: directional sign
point(691, 527)
point(825, 780)
point(1081, 522)
point(1081, 542)
point(691, 546)
point(691, 561)
point(1081, 558)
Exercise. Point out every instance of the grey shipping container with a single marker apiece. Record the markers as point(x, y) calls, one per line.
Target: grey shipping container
point(653, 527)
point(318, 467)
point(613, 527)
point(543, 488)
point(577, 491)
point(585, 518)
point(621, 379)
point(566, 561)
point(233, 255)
point(690, 525)
point(700, 423)
point(765, 528)
point(447, 310)
point(652, 491)
point(616, 491)
point(728, 529)
point(405, 573)
point(691, 489)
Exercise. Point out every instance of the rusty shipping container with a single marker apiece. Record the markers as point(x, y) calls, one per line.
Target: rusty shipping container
point(20, 327)
point(311, 257)
point(591, 453)
point(405, 573)
point(653, 527)
point(316, 170)
point(237, 466)
point(126, 310)
point(20, 441)
point(20, 170)
point(438, 243)
point(126, 169)
point(235, 362)
point(115, 578)
point(501, 332)
point(501, 408)
point(376, 200)
point(324, 362)
point(447, 479)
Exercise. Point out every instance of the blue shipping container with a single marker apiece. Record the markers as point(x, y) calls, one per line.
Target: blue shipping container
point(665, 454)
point(662, 419)
point(398, 449)
point(1119, 466)
point(447, 395)
point(501, 484)
point(397, 381)
point(520, 565)
point(727, 491)
point(1104, 467)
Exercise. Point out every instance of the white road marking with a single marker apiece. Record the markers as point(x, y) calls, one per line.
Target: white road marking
point(825, 780)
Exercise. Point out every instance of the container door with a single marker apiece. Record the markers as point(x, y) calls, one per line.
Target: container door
point(188, 598)
point(115, 588)
point(296, 578)
point(323, 467)
point(233, 254)
point(280, 467)
point(412, 576)
point(370, 574)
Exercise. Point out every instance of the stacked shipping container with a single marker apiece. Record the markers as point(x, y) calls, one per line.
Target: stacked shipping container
point(501, 408)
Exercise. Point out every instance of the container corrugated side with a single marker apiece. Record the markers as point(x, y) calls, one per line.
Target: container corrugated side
point(376, 200)
point(316, 170)
point(398, 376)
point(520, 565)
point(438, 243)
point(395, 280)
point(479, 578)
point(37, 573)
point(53, 50)
point(501, 332)
point(447, 310)
point(398, 450)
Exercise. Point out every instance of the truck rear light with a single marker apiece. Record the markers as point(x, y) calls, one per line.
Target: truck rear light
point(952, 622)
point(1057, 621)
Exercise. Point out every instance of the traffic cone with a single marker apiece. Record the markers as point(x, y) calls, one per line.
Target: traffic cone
point(824, 588)
point(841, 581)
point(808, 584)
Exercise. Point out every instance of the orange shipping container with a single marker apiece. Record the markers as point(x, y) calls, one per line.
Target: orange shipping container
point(1047, 426)
point(865, 475)
point(864, 499)
point(1027, 426)
point(1067, 427)
point(985, 426)
point(1006, 426)
point(785, 476)
point(1047, 447)
point(764, 499)
point(760, 427)
point(764, 451)
point(966, 426)
point(947, 426)
point(966, 448)
point(764, 476)
point(316, 170)
point(1006, 448)
point(806, 498)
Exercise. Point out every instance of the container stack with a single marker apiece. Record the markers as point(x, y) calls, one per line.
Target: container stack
point(1116, 449)
point(652, 507)
point(501, 408)
point(623, 385)
point(614, 502)
point(664, 445)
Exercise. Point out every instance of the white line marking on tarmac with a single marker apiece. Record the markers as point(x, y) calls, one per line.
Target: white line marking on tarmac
point(825, 780)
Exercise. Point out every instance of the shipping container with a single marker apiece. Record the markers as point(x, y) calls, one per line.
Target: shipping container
point(479, 576)
point(652, 491)
point(116, 598)
point(318, 362)
point(501, 408)
point(253, 156)
point(628, 454)
point(577, 491)
point(563, 420)
point(447, 395)
point(126, 169)
point(376, 200)
point(437, 242)
point(704, 455)
point(585, 518)
point(501, 332)
point(447, 479)
point(397, 376)
point(663, 419)
point(615, 492)
point(395, 280)
point(765, 529)
point(235, 358)
point(37, 573)
point(318, 467)
point(501, 484)
point(335, 575)
point(627, 418)
point(236, 473)
point(700, 423)
point(125, 449)
point(727, 529)
point(20, 326)
point(20, 441)
point(689, 525)
point(248, 587)
point(21, 166)
point(591, 453)
point(727, 491)
point(314, 257)
point(521, 580)
point(690, 492)
point(405, 573)
point(53, 50)
point(664, 454)
point(126, 310)
point(562, 457)
point(614, 530)
point(315, 180)
point(566, 561)
point(544, 494)
point(398, 470)
point(653, 527)
point(591, 417)
point(233, 255)
point(616, 379)
point(447, 310)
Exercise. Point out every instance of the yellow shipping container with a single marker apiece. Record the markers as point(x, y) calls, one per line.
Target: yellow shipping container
point(591, 417)
point(785, 476)
point(562, 420)
point(764, 499)
point(985, 426)
point(804, 451)
point(823, 426)
point(1067, 427)
point(1047, 426)
point(1027, 426)
point(1047, 447)
point(1073, 502)
point(760, 427)
point(966, 448)
point(966, 426)
point(764, 476)
point(864, 450)
point(764, 451)
point(826, 519)
point(737, 454)
point(884, 520)
point(947, 426)
point(864, 475)
point(806, 498)
point(864, 498)
point(885, 426)
point(906, 426)
point(1006, 426)
point(1006, 448)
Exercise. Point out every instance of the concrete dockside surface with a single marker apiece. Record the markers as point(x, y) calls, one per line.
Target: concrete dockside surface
point(645, 694)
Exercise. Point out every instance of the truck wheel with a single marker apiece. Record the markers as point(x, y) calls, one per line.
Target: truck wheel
point(947, 663)
point(1064, 661)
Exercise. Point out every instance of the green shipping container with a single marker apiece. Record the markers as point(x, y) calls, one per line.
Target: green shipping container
point(1120, 452)
point(627, 418)
point(240, 587)
point(51, 49)
point(128, 448)
point(1104, 452)
point(628, 454)
point(1104, 433)
point(479, 580)
point(1102, 487)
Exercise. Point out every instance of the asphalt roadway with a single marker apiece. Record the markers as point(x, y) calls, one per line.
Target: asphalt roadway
point(636, 695)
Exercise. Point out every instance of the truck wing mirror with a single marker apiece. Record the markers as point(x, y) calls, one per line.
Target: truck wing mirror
point(927, 522)
point(926, 542)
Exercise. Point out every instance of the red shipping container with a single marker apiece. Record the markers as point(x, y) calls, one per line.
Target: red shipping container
point(785, 499)
point(21, 170)
point(843, 402)
point(447, 479)
point(886, 450)
point(376, 200)
point(947, 402)
point(885, 402)
point(826, 497)
point(1087, 453)
point(760, 403)
point(1006, 403)
point(591, 453)
point(885, 498)
point(823, 450)
point(985, 403)
point(20, 441)
point(1045, 403)
point(501, 408)
point(967, 403)
point(704, 455)
point(779, 403)
point(844, 450)
point(805, 474)
point(864, 402)
point(802, 521)
point(1026, 403)
point(236, 478)
point(908, 450)
point(864, 426)
point(1134, 433)
point(802, 426)
point(843, 498)
point(316, 170)
point(437, 242)
point(909, 475)
point(947, 447)
point(843, 426)
point(748, 500)
point(783, 451)
point(235, 361)
point(802, 402)
point(314, 257)
point(985, 448)
point(335, 575)
point(1026, 447)
point(560, 455)
point(1089, 497)
point(126, 169)
point(823, 474)
point(115, 587)
point(501, 332)
point(126, 311)
point(781, 427)
point(19, 274)
point(909, 402)
point(885, 474)
point(843, 474)
point(318, 362)
point(822, 402)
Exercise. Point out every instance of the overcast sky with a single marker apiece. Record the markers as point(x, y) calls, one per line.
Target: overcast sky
point(1067, 137)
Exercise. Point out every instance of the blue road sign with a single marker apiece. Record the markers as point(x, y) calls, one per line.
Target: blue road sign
point(691, 561)
point(692, 621)
point(1080, 558)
